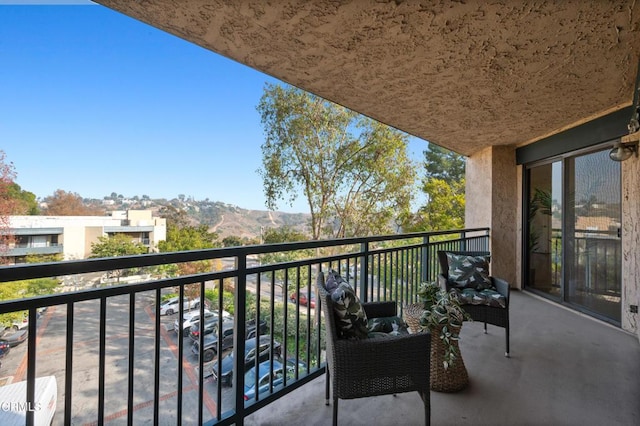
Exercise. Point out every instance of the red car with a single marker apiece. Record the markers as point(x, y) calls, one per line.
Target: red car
point(302, 296)
point(5, 347)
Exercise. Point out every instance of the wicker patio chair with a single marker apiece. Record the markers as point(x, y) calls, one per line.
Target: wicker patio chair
point(358, 368)
point(497, 316)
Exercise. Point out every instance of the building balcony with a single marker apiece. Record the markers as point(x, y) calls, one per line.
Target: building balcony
point(565, 369)
point(117, 360)
point(35, 249)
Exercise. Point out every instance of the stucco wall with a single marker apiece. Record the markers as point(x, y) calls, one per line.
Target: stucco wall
point(91, 235)
point(74, 242)
point(478, 190)
point(140, 217)
point(492, 200)
point(518, 251)
point(630, 243)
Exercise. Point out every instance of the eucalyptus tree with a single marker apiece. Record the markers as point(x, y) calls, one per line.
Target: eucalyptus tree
point(354, 172)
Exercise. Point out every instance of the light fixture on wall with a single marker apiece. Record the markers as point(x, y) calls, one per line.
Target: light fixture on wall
point(622, 151)
point(628, 145)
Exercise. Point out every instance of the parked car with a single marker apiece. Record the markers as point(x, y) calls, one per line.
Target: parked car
point(5, 347)
point(171, 306)
point(16, 338)
point(302, 298)
point(263, 377)
point(210, 347)
point(188, 320)
point(210, 342)
point(264, 351)
point(209, 325)
point(291, 366)
point(20, 324)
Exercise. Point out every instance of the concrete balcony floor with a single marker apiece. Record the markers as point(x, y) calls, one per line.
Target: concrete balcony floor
point(565, 369)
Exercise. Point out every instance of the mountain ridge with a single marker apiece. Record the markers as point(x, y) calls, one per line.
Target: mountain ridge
point(227, 219)
point(222, 218)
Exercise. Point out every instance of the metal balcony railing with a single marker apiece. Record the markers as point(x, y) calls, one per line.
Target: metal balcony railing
point(116, 358)
point(593, 259)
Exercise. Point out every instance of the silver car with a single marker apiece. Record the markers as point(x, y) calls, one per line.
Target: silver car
point(171, 306)
point(189, 319)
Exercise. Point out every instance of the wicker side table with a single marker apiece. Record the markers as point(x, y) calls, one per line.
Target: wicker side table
point(452, 379)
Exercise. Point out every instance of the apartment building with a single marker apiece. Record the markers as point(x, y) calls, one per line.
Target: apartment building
point(72, 236)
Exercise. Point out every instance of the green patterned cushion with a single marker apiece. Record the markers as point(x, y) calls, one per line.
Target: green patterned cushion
point(470, 296)
point(332, 281)
point(469, 271)
point(351, 319)
point(393, 325)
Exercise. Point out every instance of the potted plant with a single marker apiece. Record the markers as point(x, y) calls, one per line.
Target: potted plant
point(443, 317)
point(443, 314)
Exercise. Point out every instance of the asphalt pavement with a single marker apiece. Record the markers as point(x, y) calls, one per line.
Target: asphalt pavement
point(51, 360)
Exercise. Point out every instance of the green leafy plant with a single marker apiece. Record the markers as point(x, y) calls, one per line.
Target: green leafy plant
point(428, 293)
point(444, 313)
point(540, 203)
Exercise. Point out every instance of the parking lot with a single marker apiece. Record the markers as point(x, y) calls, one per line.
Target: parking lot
point(50, 360)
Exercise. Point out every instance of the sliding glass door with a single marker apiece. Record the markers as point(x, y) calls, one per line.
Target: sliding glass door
point(592, 234)
point(573, 234)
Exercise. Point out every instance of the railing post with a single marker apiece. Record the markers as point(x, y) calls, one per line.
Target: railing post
point(102, 354)
point(364, 271)
point(240, 320)
point(487, 240)
point(31, 366)
point(463, 241)
point(181, 342)
point(68, 382)
point(424, 270)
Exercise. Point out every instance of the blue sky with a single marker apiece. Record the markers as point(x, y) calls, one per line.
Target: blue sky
point(94, 102)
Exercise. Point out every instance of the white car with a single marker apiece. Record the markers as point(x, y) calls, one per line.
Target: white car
point(189, 319)
point(20, 324)
point(171, 306)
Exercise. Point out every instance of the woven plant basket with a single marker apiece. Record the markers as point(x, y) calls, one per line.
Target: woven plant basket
point(412, 314)
point(452, 379)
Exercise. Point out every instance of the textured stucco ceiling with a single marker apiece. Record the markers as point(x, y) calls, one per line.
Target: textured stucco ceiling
point(462, 74)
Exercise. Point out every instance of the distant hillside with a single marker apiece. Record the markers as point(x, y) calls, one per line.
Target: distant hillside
point(227, 219)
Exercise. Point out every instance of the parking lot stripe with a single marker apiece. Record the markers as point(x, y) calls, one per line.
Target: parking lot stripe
point(122, 413)
point(208, 401)
point(189, 369)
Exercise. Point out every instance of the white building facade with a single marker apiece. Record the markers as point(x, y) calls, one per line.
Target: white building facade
point(72, 236)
